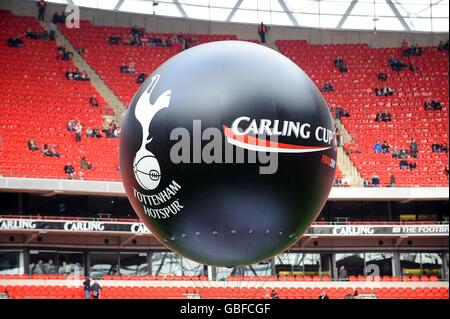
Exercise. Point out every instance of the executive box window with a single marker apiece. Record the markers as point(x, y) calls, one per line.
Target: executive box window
point(133, 264)
point(166, 263)
point(425, 263)
point(43, 262)
point(103, 263)
point(303, 264)
point(70, 262)
point(11, 262)
point(379, 264)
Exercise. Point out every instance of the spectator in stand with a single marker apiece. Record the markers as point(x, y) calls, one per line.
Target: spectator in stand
point(443, 46)
point(385, 147)
point(134, 30)
point(131, 68)
point(93, 101)
point(140, 78)
point(378, 92)
point(95, 289)
point(404, 164)
point(412, 165)
point(387, 91)
point(412, 67)
point(15, 42)
point(50, 150)
point(71, 125)
point(81, 175)
point(116, 132)
point(391, 180)
point(96, 133)
point(436, 105)
point(274, 295)
point(395, 153)
point(87, 288)
point(327, 87)
point(123, 68)
point(443, 148)
point(382, 76)
point(114, 39)
point(50, 267)
point(32, 146)
point(413, 148)
point(342, 273)
point(41, 10)
point(403, 153)
point(84, 76)
point(324, 295)
point(427, 105)
point(262, 30)
point(435, 147)
point(70, 170)
point(337, 133)
point(396, 64)
point(377, 147)
point(64, 269)
point(84, 164)
point(338, 182)
point(375, 180)
point(446, 170)
point(78, 132)
point(405, 47)
point(30, 34)
point(340, 64)
point(89, 132)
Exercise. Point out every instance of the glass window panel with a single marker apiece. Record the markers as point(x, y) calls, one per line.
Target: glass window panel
point(103, 264)
point(10, 262)
point(440, 11)
point(307, 20)
point(70, 263)
point(266, 17)
point(410, 9)
point(138, 6)
point(245, 16)
point(196, 12)
point(303, 6)
point(191, 268)
point(280, 18)
point(410, 264)
point(107, 5)
point(432, 264)
point(197, 2)
point(382, 261)
point(222, 273)
point(383, 9)
point(362, 9)
point(133, 264)
point(42, 262)
point(328, 21)
point(420, 24)
point(249, 4)
point(352, 263)
point(223, 3)
point(262, 269)
point(333, 7)
point(219, 14)
point(269, 5)
point(440, 25)
point(389, 24)
point(166, 263)
point(359, 23)
point(166, 9)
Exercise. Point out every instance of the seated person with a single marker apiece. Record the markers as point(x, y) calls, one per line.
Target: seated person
point(385, 147)
point(378, 117)
point(403, 153)
point(378, 92)
point(427, 105)
point(93, 101)
point(70, 170)
point(96, 133)
point(382, 76)
point(404, 164)
point(387, 91)
point(140, 78)
point(328, 87)
point(123, 68)
point(375, 180)
point(395, 153)
point(386, 116)
point(15, 42)
point(443, 148)
point(32, 146)
point(84, 164)
point(436, 105)
point(435, 147)
point(84, 76)
point(377, 148)
point(89, 132)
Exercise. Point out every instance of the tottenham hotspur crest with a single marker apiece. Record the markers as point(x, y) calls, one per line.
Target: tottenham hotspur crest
point(145, 165)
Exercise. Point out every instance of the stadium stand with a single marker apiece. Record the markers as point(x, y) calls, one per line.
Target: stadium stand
point(354, 91)
point(146, 59)
point(42, 109)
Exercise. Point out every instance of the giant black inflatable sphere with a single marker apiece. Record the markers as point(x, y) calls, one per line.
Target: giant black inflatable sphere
point(175, 153)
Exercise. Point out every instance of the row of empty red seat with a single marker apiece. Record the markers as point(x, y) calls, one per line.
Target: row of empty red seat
point(133, 292)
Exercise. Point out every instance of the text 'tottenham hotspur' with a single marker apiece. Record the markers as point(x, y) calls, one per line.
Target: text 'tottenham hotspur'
point(170, 205)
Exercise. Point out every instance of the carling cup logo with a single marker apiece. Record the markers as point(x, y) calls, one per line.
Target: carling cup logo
point(145, 165)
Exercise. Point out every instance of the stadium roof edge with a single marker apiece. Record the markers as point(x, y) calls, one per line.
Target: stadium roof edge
point(107, 188)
